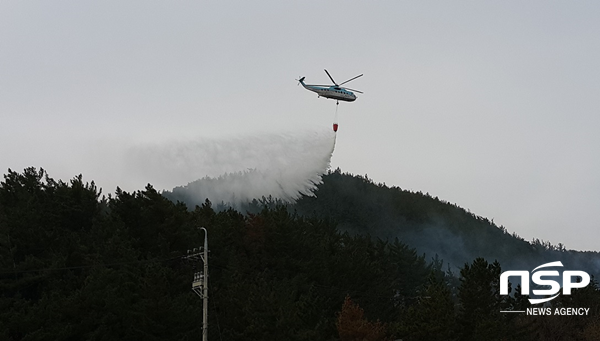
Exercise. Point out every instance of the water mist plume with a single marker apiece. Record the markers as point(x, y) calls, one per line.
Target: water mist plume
point(235, 171)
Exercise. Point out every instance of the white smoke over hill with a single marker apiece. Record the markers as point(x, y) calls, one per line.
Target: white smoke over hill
point(237, 170)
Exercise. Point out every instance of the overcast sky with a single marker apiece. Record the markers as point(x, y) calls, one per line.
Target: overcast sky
point(492, 105)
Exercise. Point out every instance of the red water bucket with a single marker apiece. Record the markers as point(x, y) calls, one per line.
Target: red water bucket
point(335, 126)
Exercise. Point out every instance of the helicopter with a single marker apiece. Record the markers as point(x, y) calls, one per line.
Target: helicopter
point(334, 91)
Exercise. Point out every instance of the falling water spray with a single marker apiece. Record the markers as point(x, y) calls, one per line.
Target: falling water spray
point(237, 170)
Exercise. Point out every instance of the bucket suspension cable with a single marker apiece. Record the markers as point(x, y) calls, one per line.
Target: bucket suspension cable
point(335, 120)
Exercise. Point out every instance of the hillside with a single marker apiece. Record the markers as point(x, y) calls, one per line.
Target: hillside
point(432, 226)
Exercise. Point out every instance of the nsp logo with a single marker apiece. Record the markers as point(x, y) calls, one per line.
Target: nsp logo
point(567, 283)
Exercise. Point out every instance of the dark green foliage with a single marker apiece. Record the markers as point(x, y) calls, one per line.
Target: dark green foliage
point(433, 316)
point(479, 314)
point(430, 225)
point(78, 266)
point(75, 266)
point(283, 276)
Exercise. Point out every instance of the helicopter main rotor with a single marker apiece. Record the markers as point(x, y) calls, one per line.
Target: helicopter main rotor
point(338, 85)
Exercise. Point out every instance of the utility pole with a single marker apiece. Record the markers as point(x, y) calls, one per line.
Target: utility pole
point(200, 282)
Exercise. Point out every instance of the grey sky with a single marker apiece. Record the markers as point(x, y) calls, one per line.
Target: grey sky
point(489, 105)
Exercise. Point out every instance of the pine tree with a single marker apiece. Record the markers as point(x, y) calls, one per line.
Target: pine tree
point(479, 315)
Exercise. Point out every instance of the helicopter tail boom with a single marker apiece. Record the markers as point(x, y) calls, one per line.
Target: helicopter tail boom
point(301, 81)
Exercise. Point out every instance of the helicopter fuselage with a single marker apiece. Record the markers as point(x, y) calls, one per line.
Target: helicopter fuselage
point(331, 92)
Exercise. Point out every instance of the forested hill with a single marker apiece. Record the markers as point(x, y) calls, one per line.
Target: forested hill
point(358, 205)
point(78, 265)
point(431, 225)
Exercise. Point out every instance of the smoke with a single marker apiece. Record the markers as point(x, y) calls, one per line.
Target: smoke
point(237, 170)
